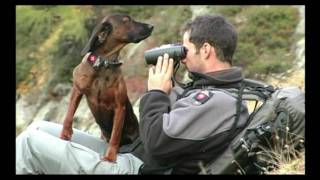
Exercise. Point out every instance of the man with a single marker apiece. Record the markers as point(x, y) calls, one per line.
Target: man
point(180, 128)
point(193, 126)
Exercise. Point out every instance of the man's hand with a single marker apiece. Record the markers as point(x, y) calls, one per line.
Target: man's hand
point(160, 75)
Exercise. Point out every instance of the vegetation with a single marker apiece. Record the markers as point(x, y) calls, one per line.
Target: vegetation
point(293, 166)
point(265, 36)
point(284, 158)
point(53, 35)
point(32, 28)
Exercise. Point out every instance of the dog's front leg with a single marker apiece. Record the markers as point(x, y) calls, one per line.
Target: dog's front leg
point(75, 98)
point(114, 142)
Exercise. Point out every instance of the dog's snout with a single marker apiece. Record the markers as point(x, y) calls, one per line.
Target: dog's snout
point(150, 26)
point(138, 32)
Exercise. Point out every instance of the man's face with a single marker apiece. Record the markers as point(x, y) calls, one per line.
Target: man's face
point(192, 60)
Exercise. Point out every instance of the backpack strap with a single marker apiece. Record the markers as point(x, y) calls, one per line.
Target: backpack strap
point(258, 85)
point(238, 112)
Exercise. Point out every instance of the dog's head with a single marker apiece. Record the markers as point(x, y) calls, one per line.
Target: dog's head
point(121, 28)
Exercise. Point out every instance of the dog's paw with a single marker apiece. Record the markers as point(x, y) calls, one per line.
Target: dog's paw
point(66, 134)
point(111, 155)
point(110, 159)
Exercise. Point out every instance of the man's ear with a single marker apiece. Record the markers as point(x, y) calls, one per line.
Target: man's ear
point(206, 50)
point(98, 36)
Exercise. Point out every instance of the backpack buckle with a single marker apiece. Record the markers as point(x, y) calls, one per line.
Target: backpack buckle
point(244, 145)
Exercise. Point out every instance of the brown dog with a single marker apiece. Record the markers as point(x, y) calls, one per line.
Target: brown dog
point(99, 78)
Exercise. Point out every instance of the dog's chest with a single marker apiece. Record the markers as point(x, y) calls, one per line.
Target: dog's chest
point(104, 87)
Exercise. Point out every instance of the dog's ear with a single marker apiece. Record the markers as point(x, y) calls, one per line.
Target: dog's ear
point(98, 36)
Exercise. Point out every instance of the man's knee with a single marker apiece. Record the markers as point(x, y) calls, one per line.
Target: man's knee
point(33, 150)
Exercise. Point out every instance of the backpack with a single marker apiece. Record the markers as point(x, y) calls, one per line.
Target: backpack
point(275, 125)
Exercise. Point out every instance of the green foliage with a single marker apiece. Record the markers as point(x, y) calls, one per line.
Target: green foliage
point(265, 36)
point(169, 23)
point(72, 39)
point(33, 26)
point(73, 21)
point(274, 26)
point(66, 58)
point(23, 67)
point(36, 24)
point(228, 11)
point(137, 11)
point(264, 40)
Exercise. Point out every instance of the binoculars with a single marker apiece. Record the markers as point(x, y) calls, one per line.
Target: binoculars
point(175, 51)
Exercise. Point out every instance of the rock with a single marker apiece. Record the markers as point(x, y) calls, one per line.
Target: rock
point(25, 111)
point(61, 89)
point(301, 26)
point(28, 111)
point(300, 53)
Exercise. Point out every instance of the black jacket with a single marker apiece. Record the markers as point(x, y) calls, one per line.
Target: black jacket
point(190, 127)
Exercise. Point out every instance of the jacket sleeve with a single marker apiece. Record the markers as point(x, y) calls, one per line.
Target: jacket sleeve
point(152, 107)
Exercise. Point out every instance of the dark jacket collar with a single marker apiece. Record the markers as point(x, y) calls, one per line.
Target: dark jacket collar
point(224, 78)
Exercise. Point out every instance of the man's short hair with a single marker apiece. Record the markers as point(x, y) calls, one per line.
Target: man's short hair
point(216, 31)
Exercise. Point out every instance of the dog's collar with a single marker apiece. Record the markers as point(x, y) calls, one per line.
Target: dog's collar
point(98, 61)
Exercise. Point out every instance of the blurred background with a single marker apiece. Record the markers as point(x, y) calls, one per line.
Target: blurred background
point(49, 40)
